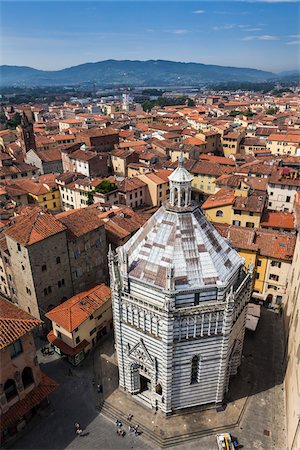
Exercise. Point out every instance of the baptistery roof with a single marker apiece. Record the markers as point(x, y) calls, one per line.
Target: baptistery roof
point(186, 242)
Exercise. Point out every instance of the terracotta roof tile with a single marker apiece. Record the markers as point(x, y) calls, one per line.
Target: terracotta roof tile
point(277, 219)
point(14, 322)
point(130, 184)
point(34, 227)
point(221, 198)
point(73, 312)
point(254, 203)
point(276, 244)
point(80, 221)
point(32, 399)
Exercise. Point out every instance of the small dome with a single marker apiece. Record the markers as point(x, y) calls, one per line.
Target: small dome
point(180, 175)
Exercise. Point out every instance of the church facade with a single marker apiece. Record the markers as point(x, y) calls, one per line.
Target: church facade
point(180, 295)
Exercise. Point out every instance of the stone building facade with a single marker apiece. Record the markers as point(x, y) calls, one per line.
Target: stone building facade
point(39, 262)
point(23, 387)
point(292, 343)
point(52, 258)
point(180, 295)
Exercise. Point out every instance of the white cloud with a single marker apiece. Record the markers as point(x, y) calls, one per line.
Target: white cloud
point(293, 43)
point(199, 11)
point(232, 26)
point(265, 37)
point(224, 27)
point(295, 36)
point(179, 31)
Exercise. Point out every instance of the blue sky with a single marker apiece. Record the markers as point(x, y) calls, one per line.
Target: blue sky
point(52, 35)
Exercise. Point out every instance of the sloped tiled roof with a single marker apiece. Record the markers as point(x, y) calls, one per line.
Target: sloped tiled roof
point(80, 221)
point(34, 227)
point(221, 198)
point(14, 322)
point(277, 219)
point(73, 312)
point(130, 184)
point(32, 399)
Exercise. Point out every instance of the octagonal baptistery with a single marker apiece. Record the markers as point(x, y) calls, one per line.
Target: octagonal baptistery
point(180, 295)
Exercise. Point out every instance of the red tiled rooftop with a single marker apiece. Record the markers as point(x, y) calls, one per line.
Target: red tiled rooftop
point(80, 221)
point(32, 399)
point(14, 322)
point(218, 159)
point(73, 312)
point(277, 219)
point(130, 184)
point(221, 198)
point(34, 227)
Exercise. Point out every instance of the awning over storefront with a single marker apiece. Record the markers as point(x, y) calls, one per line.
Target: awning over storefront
point(65, 348)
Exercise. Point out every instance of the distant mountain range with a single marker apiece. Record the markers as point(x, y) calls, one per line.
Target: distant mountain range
point(138, 73)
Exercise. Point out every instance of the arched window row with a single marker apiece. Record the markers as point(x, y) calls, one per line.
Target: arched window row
point(10, 387)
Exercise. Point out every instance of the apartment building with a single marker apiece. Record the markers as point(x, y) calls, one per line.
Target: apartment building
point(102, 139)
point(282, 188)
point(283, 143)
point(13, 170)
point(133, 192)
point(226, 207)
point(271, 253)
point(120, 159)
point(158, 186)
point(47, 259)
point(80, 322)
point(231, 141)
point(84, 161)
point(41, 191)
point(47, 161)
point(205, 174)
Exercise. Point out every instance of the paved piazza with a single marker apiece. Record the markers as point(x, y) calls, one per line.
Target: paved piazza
point(262, 425)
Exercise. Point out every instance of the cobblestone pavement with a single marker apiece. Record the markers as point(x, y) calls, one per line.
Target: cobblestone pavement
point(262, 426)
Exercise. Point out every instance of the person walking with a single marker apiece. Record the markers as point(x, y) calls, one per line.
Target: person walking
point(78, 429)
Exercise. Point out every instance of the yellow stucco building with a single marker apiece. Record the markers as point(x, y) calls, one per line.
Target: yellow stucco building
point(42, 191)
point(80, 322)
point(226, 207)
point(270, 252)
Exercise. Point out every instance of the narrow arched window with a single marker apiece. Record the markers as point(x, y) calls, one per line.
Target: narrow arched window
point(27, 377)
point(10, 389)
point(219, 213)
point(194, 369)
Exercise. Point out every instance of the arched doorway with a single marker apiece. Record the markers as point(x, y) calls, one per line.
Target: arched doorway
point(269, 299)
point(27, 377)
